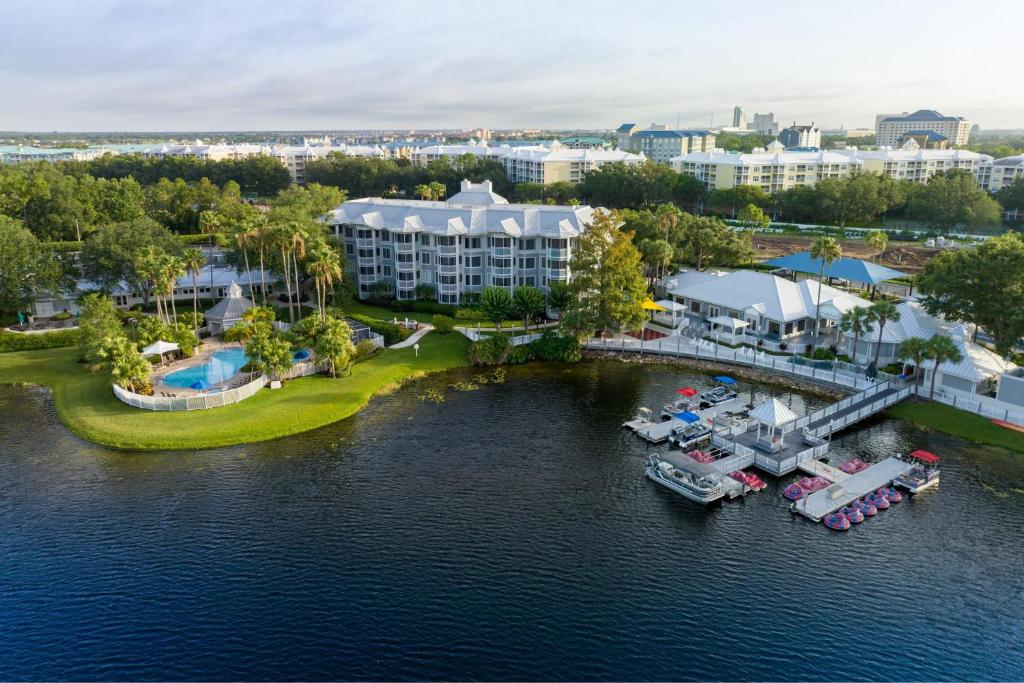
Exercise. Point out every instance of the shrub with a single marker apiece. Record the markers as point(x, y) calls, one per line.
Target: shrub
point(520, 354)
point(469, 314)
point(443, 324)
point(11, 341)
point(365, 350)
point(821, 353)
point(493, 350)
point(391, 332)
point(552, 347)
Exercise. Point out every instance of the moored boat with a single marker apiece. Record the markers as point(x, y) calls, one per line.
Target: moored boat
point(923, 474)
point(854, 466)
point(794, 492)
point(691, 435)
point(721, 394)
point(880, 502)
point(867, 507)
point(853, 514)
point(893, 495)
point(693, 480)
point(837, 521)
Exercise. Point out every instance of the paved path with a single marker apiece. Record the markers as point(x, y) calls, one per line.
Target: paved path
point(416, 336)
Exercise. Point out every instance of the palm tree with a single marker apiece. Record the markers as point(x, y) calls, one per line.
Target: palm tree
point(298, 249)
point(854, 322)
point(437, 190)
point(325, 267)
point(559, 298)
point(828, 250)
point(193, 260)
point(881, 313)
point(668, 219)
point(148, 268)
point(260, 227)
point(940, 350)
point(210, 224)
point(173, 268)
point(280, 237)
point(915, 349)
point(423, 191)
point(243, 237)
point(878, 241)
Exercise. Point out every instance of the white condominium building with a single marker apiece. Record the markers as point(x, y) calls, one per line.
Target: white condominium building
point(889, 130)
point(1005, 171)
point(18, 155)
point(558, 163)
point(200, 150)
point(296, 158)
point(913, 163)
point(474, 240)
point(424, 155)
point(773, 169)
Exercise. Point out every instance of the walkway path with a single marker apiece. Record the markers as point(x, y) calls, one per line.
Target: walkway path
point(416, 336)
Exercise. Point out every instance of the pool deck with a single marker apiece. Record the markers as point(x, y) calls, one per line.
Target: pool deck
point(203, 355)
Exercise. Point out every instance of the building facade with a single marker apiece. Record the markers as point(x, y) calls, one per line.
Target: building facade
point(800, 136)
point(659, 144)
point(1005, 172)
point(890, 129)
point(911, 163)
point(546, 165)
point(476, 239)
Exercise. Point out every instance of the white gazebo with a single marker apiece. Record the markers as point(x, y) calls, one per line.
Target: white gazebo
point(671, 314)
point(159, 348)
point(773, 415)
point(724, 322)
point(228, 312)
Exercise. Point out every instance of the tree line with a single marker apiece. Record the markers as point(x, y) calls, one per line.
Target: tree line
point(370, 177)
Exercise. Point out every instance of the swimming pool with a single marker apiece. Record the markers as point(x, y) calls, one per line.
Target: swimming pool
point(222, 366)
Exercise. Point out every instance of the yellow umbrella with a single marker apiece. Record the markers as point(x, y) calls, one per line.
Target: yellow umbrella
point(649, 305)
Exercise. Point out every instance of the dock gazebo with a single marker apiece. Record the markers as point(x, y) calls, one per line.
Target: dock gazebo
point(725, 323)
point(773, 415)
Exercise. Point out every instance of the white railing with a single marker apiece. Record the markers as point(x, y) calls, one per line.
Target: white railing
point(204, 401)
point(979, 405)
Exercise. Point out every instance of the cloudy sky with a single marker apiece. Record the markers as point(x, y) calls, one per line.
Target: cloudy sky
point(345, 64)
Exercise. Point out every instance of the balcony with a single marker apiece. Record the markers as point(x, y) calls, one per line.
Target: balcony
point(501, 272)
point(558, 254)
point(448, 289)
point(448, 250)
point(365, 243)
point(406, 285)
point(405, 247)
point(558, 273)
point(447, 270)
point(405, 266)
point(501, 252)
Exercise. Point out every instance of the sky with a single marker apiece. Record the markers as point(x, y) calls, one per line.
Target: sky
point(182, 65)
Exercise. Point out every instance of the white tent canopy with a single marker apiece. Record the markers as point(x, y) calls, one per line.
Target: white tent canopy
point(159, 348)
point(726, 322)
point(671, 305)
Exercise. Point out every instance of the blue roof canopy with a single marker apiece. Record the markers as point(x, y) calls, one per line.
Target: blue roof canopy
point(688, 417)
point(724, 379)
point(845, 267)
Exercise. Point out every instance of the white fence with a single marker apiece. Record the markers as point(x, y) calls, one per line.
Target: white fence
point(979, 405)
point(839, 374)
point(197, 402)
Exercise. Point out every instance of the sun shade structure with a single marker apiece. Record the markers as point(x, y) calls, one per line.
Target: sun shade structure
point(772, 414)
point(925, 456)
point(687, 391)
point(845, 267)
point(649, 305)
point(688, 417)
point(724, 379)
point(159, 348)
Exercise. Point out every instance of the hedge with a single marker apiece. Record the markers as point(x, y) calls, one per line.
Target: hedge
point(391, 332)
point(13, 341)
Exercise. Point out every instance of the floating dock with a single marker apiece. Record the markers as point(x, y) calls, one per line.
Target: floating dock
point(821, 503)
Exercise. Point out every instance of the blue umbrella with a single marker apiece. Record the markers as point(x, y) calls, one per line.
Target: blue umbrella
point(201, 384)
point(724, 379)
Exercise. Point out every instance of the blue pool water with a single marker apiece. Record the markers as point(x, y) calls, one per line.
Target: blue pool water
point(222, 366)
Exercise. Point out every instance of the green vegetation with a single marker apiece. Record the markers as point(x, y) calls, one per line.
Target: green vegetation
point(13, 341)
point(364, 177)
point(670, 238)
point(87, 406)
point(950, 420)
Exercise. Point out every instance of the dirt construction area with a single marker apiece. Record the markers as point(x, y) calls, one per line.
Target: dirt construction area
point(906, 256)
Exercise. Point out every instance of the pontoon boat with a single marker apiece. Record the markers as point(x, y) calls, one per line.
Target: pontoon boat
point(923, 475)
point(693, 480)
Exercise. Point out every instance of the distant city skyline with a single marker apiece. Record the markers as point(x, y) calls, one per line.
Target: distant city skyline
point(222, 65)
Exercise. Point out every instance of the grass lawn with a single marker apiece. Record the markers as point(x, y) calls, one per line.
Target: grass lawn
point(388, 314)
point(950, 420)
point(87, 406)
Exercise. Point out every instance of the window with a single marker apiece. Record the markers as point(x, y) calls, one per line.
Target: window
point(386, 253)
point(350, 249)
point(348, 231)
point(424, 240)
point(405, 276)
point(425, 259)
point(386, 236)
point(387, 271)
point(474, 261)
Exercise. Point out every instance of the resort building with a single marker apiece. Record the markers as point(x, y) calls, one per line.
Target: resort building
point(925, 139)
point(772, 169)
point(660, 145)
point(296, 158)
point(977, 372)
point(800, 136)
point(200, 150)
point(1005, 171)
point(554, 164)
point(18, 155)
point(473, 240)
point(623, 133)
point(424, 155)
point(911, 163)
point(764, 305)
point(889, 130)
point(584, 142)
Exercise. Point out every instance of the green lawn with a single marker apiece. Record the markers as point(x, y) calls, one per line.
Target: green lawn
point(950, 420)
point(388, 314)
point(86, 404)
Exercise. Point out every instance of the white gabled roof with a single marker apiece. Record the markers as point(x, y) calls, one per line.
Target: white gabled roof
point(773, 413)
point(770, 296)
point(765, 158)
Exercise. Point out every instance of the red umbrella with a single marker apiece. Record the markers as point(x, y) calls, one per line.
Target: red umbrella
point(687, 391)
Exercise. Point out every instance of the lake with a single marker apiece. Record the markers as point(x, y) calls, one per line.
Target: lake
point(505, 533)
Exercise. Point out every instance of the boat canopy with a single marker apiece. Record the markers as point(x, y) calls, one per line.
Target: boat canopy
point(925, 456)
point(724, 379)
point(688, 464)
point(688, 417)
point(687, 391)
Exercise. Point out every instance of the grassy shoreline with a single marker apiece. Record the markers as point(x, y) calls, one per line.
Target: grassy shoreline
point(958, 423)
point(87, 406)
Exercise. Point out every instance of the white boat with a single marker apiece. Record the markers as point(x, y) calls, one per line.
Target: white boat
point(680, 405)
point(690, 436)
point(693, 480)
point(716, 397)
point(641, 420)
point(923, 475)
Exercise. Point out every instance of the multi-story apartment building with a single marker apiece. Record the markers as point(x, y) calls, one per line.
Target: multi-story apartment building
point(18, 155)
point(296, 158)
point(1005, 171)
point(772, 169)
point(584, 142)
point(889, 130)
point(476, 239)
point(800, 136)
point(554, 164)
point(200, 150)
point(776, 169)
point(623, 133)
point(925, 139)
point(661, 145)
point(424, 155)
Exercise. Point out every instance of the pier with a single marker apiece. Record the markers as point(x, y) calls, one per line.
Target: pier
point(851, 487)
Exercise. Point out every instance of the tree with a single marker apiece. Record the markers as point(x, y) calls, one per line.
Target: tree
point(878, 241)
point(1012, 196)
point(527, 302)
point(559, 297)
point(192, 259)
point(754, 217)
point(608, 277)
point(983, 285)
point(915, 349)
point(110, 255)
point(127, 367)
point(310, 201)
point(882, 312)
point(496, 303)
point(437, 190)
point(98, 322)
point(705, 240)
point(953, 198)
point(423, 191)
point(269, 353)
point(26, 267)
point(827, 250)
point(324, 264)
point(656, 254)
point(333, 344)
point(940, 350)
point(854, 322)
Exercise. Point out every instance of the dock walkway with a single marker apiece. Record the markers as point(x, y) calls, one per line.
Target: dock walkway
point(826, 501)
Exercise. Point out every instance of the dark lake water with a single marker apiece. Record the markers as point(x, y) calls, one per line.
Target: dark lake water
point(507, 533)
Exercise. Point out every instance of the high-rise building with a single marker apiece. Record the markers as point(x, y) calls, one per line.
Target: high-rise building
point(764, 124)
point(889, 130)
point(739, 117)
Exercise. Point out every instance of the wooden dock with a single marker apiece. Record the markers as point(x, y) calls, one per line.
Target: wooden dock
point(853, 486)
